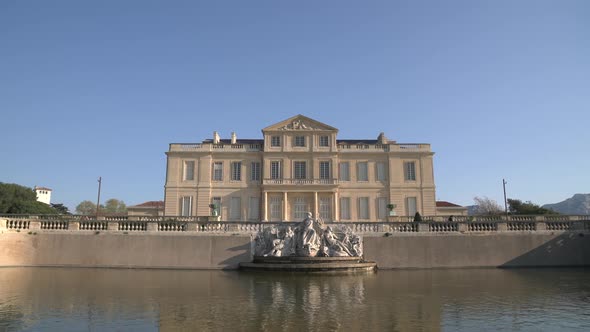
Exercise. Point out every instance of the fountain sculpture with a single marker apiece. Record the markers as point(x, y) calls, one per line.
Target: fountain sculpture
point(308, 247)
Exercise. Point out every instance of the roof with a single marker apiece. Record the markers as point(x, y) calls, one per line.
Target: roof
point(42, 188)
point(446, 204)
point(150, 204)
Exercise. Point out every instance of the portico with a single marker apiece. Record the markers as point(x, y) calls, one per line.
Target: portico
point(292, 205)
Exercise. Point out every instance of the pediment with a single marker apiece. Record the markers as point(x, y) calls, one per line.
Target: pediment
point(299, 123)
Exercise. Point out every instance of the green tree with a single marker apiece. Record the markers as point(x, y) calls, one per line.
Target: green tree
point(18, 199)
point(114, 205)
point(60, 208)
point(86, 208)
point(517, 206)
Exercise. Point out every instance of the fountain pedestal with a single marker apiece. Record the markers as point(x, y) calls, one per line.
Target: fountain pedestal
point(309, 264)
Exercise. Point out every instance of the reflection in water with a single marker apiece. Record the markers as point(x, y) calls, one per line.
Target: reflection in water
point(169, 300)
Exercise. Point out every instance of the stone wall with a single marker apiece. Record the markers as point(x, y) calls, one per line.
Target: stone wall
point(538, 249)
point(125, 251)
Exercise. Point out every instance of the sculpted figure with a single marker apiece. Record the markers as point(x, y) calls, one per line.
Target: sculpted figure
point(277, 248)
point(308, 241)
point(333, 246)
point(288, 242)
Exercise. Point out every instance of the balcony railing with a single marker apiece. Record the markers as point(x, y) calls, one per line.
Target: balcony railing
point(301, 182)
point(177, 147)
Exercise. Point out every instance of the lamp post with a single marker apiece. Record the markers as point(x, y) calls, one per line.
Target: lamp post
point(505, 203)
point(98, 199)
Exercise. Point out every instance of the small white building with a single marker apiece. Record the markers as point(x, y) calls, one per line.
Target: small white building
point(43, 195)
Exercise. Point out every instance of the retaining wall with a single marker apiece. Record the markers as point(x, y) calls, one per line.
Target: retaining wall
point(177, 251)
point(225, 251)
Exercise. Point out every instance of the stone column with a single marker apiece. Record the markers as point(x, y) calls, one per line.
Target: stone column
point(265, 207)
point(285, 205)
point(336, 207)
point(315, 204)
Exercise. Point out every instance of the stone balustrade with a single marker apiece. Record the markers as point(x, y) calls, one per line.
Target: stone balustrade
point(462, 225)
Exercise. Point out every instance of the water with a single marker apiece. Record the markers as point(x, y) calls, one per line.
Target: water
point(63, 299)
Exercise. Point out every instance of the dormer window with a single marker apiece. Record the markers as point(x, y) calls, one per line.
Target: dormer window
point(300, 141)
point(275, 141)
point(324, 141)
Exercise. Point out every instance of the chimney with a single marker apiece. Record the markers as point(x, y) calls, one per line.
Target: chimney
point(234, 138)
point(382, 139)
point(216, 138)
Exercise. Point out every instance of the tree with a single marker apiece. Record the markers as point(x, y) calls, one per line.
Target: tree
point(86, 208)
point(18, 199)
point(486, 206)
point(60, 208)
point(517, 206)
point(114, 205)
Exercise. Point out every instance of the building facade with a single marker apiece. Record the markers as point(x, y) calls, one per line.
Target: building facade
point(298, 166)
point(43, 194)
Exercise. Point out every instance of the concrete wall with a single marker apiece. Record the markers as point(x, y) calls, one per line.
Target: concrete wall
point(121, 250)
point(489, 250)
point(192, 251)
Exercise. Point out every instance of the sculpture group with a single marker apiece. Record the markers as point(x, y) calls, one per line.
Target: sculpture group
point(308, 239)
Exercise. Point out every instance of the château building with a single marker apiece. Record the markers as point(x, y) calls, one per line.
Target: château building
point(299, 165)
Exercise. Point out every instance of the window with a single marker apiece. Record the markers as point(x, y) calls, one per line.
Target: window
point(189, 170)
point(324, 141)
point(276, 209)
point(410, 170)
point(345, 208)
point(275, 170)
point(326, 208)
point(235, 208)
point(362, 173)
point(299, 170)
point(363, 207)
point(299, 208)
point(254, 209)
point(345, 171)
point(380, 167)
point(275, 141)
point(411, 206)
point(255, 171)
point(382, 207)
point(299, 141)
point(236, 171)
point(186, 206)
point(217, 202)
point(218, 171)
point(324, 170)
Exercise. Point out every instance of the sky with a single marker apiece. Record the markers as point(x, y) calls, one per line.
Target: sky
point(500, 89)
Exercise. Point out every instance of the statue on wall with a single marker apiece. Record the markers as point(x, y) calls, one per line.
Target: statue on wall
point(308, 239)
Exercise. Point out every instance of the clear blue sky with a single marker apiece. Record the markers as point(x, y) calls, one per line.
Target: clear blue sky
point(499, 88)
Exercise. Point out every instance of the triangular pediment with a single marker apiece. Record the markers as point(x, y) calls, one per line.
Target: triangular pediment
point(299, 123)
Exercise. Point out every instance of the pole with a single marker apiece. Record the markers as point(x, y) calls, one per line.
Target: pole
point(98, 199)
point(505, 204)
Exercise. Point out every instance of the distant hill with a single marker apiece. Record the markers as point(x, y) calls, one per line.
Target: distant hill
point(578, 204)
